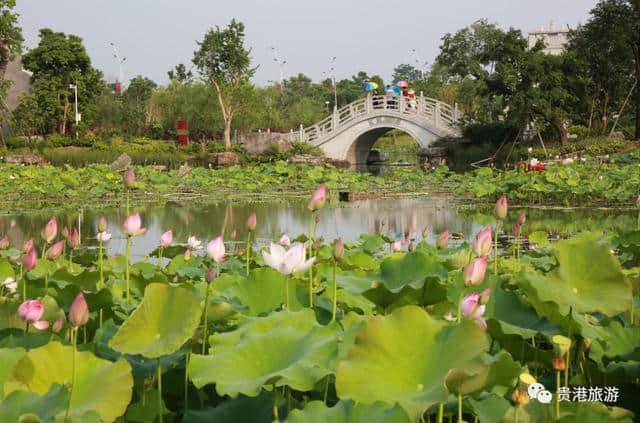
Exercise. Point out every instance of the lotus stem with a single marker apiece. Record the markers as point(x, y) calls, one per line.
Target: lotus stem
point(495, 249)
point(557, 394)
point(335, 293)
point(517, 408)
point(24, 283)
point(159, 368)
point(74, 340)
point(440, 412)
point(289, 399)
point(459, 408)
point(310, 255)
point(126, 267)
point(205, 317)
point(101, 266)
point(248, 250)
point(275, 403)
point(160, 256)
point(186, 382)
point(566, 368)
point(475, 420)
point(286, 292)
point(326, 389)
point(460, 309)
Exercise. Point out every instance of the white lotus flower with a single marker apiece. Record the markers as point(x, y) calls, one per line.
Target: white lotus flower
point(104, 236)
point(285, 241)
point(10, 284)
point(194, 243)
point(287, 262)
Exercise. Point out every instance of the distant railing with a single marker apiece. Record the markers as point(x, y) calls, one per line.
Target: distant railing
point(429, 111)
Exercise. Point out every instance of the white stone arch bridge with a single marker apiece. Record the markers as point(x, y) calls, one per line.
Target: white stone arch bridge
point(350, 132)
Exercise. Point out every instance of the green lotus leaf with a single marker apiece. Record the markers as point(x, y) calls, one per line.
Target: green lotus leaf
point(144, 411)
point(166, 318)
point(242, 409)
point(348, 412)
point(570, 412)
point(9, 313)
point(9, 357)
point(405, 357)
point(497, 370)
point(540, 238)
point(400, 270)
point(286, 348)
point(101, 385)
point(44, 407)
point(588, 279)
point(6, 271)
point(490, 409)
point(371, 243)
point(619, 341)
point(359, 260)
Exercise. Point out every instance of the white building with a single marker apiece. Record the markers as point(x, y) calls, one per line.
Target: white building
point(555, 39)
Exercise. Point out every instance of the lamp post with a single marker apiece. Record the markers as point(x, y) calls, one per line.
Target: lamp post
point(120, 62)
point(420, 66)
point(74, 87)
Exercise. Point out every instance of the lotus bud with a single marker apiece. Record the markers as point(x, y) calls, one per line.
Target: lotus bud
point(133, 225)
point(586, 344)
point(317, 219)
point(30, 259)
point(338, 249)
point(559, 364)
point(74, 239)
point(211, 275)
point(166, 239)
point(31, 311)
point(233, 235)
point(41, 325)
point(517, 229)
point(317, 243)
point(482, 243)
point(79, 311)
point(55, 251)
point(561, 344)
point(252, 222)
point(443, 240)
point(471, 307)
point(318, 198)
point(520, 396)
point(187, 255)
point(50, 231)
point(475, 271)
point(284, 240)
point(57, 325)
point(4, 243)
point(215, 249)
point(522, 217)
point(485, 296)
point(397, 246)
point(130, 178)
point(27, 246)
point(102, 224)
point(501, 208)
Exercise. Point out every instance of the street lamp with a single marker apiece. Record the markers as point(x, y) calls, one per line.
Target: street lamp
point(421, 66)
point(120, 62)
point(332, 75)
point(74, 87)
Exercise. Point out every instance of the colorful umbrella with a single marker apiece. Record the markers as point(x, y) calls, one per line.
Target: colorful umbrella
point(394, 90)
point(403, 84)
point(370, 86)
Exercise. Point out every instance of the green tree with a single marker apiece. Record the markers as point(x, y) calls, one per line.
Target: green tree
point(180, 74)
point(10, 34)
point(225, 63)
point(405, 72)
point(58, 61)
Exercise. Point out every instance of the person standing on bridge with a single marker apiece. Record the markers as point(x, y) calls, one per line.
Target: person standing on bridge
point(411, 95)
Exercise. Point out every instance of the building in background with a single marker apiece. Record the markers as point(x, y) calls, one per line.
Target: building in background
point(21, 85)
point(555, 39)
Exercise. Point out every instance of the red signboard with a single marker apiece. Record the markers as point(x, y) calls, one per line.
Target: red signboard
point(118, 87)
point(182, 129)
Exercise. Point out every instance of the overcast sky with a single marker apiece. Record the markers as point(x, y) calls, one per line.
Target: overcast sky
point(373, 35)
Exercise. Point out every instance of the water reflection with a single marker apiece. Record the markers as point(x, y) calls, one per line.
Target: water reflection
point(393, 217)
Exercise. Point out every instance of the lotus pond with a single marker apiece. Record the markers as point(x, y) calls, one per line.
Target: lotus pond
point(424, 313)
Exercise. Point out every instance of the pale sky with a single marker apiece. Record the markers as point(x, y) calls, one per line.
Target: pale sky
point(373, 35)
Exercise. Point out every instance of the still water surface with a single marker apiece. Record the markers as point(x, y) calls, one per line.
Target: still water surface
point(348, 220)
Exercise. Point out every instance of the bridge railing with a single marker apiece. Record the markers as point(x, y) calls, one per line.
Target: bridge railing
point(434, 112)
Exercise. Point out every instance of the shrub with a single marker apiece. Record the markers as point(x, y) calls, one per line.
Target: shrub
point(579, 130)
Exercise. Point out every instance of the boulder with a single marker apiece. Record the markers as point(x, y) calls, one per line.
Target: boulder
point(121, 164)
point(159, 168)
point(256, 143)
point(224, 159)
point(25, 159)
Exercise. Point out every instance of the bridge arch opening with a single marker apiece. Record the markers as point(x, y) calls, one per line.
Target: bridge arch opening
point(378, 139)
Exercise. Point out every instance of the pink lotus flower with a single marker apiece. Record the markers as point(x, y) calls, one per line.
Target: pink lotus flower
point(102, 224)
point(475, 271)
point(318, 198)
point(233, 235)
point(103, 236)
point(55, 251)
point(522, 217)
point(517, 229)
point(338, 249)
point(396, 246)
point(57, 325)
point(30, 259)
point(31, 311)
point(74, 239)
point(50, 230)
point(133, 225)
point(194, 243)
point(215, 249)
point(79, 311)
point(41, 325)
point(27, 246)
point(166, 239)
point(4, 243)
point(500, 210)
point(10, 284)
point(482, 243)
point(211, 275)
point(129, 178)
point(472, 308)
point(287, 262)
point(443, 240)
point(252, 222)
point(285, 241)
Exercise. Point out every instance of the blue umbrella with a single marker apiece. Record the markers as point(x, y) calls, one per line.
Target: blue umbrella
point(394, 90)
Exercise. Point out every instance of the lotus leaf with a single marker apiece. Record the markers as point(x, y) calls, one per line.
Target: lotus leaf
point(400, 270)
point(348, 412)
